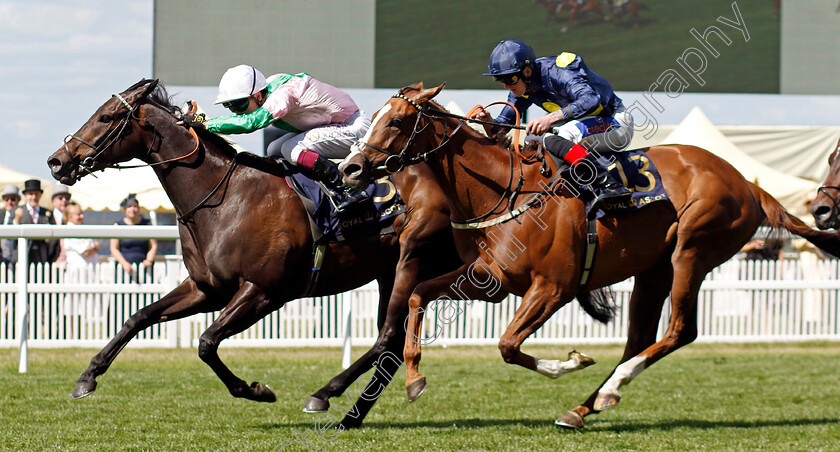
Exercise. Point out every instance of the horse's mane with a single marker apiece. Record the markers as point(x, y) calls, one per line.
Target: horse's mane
point(160, 96)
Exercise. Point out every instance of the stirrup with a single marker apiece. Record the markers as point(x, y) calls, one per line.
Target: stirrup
point(348, 200)
point(617, 194)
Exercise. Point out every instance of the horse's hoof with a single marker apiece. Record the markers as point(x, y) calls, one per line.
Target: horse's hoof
point(262, 393)
point(316, 405)
point(83, 389)
point(571, 420)
point(585, 360)
point(415, 389)
point(605, 401)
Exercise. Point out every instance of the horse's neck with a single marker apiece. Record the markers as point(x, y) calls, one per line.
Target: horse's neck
point(474, 175)
point(187, 182)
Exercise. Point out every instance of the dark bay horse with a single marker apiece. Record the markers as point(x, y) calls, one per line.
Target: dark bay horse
point(246, 238)
point(668, 246)
point(826, 206)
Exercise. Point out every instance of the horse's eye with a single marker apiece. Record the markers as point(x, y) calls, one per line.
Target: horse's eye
point(394, 122)
point(105, 118)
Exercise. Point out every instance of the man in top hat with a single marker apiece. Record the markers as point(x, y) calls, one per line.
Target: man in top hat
point(32, 213)
point(60, 201)
point(11, 199)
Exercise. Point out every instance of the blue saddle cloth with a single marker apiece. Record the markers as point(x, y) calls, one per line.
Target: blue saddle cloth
point(637, 172)
point(374, 216)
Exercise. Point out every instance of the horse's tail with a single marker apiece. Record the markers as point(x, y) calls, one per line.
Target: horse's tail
point(778, 217)
point(599, 304)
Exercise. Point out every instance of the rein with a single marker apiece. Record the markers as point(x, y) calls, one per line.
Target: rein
point(396, 162)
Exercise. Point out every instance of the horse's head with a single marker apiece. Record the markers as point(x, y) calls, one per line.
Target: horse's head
point(110, 136)
point(826, 206)
point(397, 136)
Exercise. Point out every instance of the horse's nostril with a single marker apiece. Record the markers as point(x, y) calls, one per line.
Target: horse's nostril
point(352, 168)
point(821, 211)
point(54, 163)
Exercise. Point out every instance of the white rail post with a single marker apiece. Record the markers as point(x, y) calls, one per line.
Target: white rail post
point(347, 355)
point(173, 273)
point(22, 304)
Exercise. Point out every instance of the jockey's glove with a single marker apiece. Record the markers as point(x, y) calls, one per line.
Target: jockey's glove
point(194, 121)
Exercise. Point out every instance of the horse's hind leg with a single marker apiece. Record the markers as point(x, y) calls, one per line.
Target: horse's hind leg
point(182, 302)
point(248, 305)
point(540, 302)
point(645, 308)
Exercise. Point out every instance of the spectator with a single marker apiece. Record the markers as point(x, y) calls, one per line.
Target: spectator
point(81, 257)
point(60, 200)
point(131, 252)
point(80, 252)
point(11, 199)
point(763, 249)
point(32, 213)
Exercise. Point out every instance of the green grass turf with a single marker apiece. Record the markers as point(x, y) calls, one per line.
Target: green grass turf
point(710, 397)
point(450, 41)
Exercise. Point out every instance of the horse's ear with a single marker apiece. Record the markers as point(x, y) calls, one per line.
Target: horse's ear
point(418, 86)
point(150, 87)
point(133, 93)
point(429, 93)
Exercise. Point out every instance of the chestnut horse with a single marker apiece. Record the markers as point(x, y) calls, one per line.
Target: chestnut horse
point(826, 206)
point(668, 247)
point(246, 237)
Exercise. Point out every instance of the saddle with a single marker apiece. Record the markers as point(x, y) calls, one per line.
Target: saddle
point(633, 168)
point(375, 216)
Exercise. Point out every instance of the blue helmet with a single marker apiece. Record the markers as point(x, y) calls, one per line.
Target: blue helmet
point(510, 57)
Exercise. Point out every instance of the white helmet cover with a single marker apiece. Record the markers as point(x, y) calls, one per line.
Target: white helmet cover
point(240, 82)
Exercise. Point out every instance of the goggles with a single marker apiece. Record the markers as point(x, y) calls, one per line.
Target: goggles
point(507, 79)
point(238, 105)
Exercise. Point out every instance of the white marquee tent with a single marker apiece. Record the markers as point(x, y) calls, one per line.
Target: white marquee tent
point(111, 186)
point(696, 129)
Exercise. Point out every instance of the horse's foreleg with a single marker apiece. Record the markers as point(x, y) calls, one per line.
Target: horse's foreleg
point(248, 305)
point(455, 285)
point(540, 302)
point(182, 302)
point(391, 314)
point(645, 308)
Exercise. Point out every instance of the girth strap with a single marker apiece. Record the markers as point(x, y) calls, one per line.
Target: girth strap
point(589, 255)
point(318, 253)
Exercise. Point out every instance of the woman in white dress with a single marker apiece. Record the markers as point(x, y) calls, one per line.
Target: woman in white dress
point(81, 268)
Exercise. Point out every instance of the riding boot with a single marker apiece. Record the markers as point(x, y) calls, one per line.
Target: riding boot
point(611, 189)
point(343, 196)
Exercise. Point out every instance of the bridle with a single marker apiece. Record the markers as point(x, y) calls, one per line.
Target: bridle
point(396, 162)
point(117, 133)
point(110, 139)
point(87, 165)
point(835, 201)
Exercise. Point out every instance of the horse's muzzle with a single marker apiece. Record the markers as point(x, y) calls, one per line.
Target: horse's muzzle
point(62, 168)
point(825, 217)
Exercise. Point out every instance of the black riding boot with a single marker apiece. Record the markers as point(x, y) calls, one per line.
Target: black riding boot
point(611, 189)
point(343, 196)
